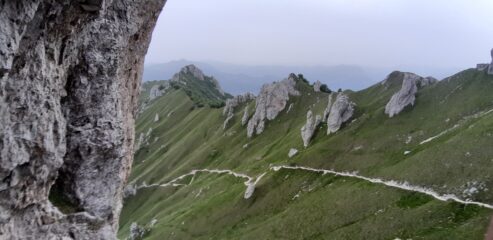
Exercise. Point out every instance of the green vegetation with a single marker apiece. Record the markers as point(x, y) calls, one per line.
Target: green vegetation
point(292, 204)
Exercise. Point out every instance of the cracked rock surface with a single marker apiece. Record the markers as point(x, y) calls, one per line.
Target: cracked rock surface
point(69, 80)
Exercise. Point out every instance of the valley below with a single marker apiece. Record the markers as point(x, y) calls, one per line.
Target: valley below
point(407, 158)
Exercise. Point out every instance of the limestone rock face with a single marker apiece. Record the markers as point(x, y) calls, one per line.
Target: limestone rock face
point(69, 79)
point(234, 102)
point(270, 102)
point(407, 94)
point(490, 69)
point(341, 111)
point(316, 86)
point(309, 128)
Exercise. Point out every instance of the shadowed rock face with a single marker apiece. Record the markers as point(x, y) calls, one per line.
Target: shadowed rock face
point(70, 74)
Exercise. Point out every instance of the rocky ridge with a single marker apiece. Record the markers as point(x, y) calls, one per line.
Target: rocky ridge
point(407, 94)
point(270, 102)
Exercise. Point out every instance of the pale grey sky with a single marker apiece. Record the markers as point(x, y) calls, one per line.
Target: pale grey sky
point(381, 33)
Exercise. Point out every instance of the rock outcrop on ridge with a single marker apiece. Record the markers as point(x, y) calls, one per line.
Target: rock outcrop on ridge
point(70, 74)
point(270, 102)
point(407, 94)
point(158, 90)
point(340, 112)
point(198, 74)
point(234, 102)
point(309, 128)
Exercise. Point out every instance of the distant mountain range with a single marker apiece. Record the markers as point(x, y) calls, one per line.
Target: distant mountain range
point(238, 79)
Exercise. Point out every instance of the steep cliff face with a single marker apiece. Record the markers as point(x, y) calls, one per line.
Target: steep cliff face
point(70, 74)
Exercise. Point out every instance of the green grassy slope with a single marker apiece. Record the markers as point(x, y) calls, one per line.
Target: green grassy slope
point(212, 207)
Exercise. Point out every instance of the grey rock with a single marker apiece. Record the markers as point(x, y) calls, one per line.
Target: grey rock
point(316, 86)
point(158, 90)
point(190, 69)
point(341, 111)
point(246, 116)
point(406, 96)
point(270, 102)
point(156, 118)
point(69, 81)
point(249, 190)
point(309, 128)
point(292, 152)
point(329, 106)
point(234, 102)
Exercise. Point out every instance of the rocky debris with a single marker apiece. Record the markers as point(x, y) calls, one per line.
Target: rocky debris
point(341, 111)
point(407, 94)
point(138, 232)
point(316, 86)
point(271, 100)
point(490, 69)
point(309, 128)
point(70, 75)
point(156, 118)
point(234, 102)
point(292, 152)
point(246, 116)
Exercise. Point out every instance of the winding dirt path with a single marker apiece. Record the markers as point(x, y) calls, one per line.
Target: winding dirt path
point(252, 181)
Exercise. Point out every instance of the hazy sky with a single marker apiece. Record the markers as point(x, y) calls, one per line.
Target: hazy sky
point(440, 33)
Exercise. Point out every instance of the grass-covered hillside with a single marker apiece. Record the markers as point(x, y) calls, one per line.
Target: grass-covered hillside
point(443, 143)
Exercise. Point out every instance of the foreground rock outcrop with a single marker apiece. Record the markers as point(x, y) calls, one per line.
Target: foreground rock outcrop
point(340, 112)
point(69, 79)
point(270, 102)
point(309, 128)
point(406, 96)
